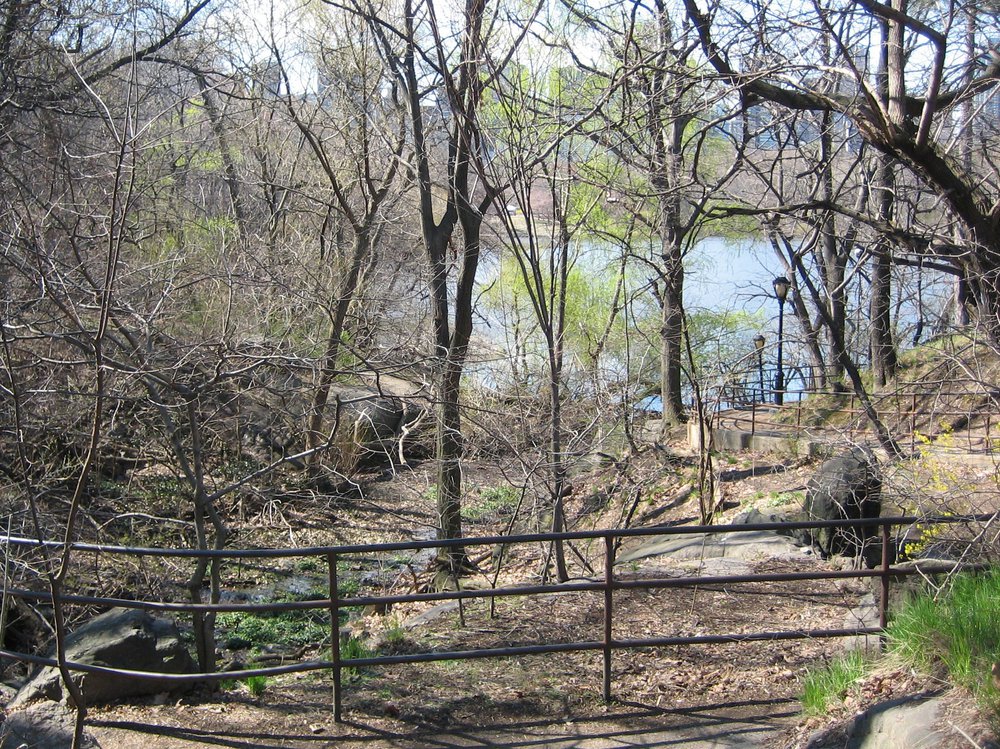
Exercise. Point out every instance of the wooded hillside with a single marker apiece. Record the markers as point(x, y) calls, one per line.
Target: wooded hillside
point(261, 245)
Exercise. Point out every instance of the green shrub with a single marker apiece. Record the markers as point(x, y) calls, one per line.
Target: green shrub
point(159, 490)
point(308, 564)
point(290, 628)
point(493, 502)
point(822, 686)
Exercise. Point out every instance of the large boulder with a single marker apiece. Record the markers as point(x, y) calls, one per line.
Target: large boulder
point(375, 429)
point(845, 487)
point(372, 428)
point(120, 638)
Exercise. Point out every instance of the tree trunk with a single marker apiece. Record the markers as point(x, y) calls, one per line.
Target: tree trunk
point(883, 350)
point(556, 337)
point(328, 371)
point(449, 437)
point(204, 509)
point(832, 266)
point(672, 267)
point(671, 340)
point(668, 121)
point(558, 476)
point(449, 476)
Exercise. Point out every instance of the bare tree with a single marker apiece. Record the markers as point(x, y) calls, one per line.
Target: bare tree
point(911, 130)
point(539, 171)
point(67, 239)
point(356, 135)
point(662, 123)
point(440, 73)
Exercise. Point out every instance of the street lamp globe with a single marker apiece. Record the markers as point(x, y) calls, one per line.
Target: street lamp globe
point(781, 288)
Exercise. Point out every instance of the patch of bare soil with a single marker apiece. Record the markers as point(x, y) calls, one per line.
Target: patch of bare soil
point(655, 685)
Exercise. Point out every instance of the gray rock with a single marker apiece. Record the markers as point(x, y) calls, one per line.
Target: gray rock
point(46, 725)
point(846, 487)
point(374, 428)
point(120, 638)
point(901, 726)
point(905, 723)
point(800, 536)
point(741, 545)
point(754, 516)
point(7, 693)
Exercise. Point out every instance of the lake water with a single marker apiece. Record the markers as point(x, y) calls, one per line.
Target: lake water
point(724, 275)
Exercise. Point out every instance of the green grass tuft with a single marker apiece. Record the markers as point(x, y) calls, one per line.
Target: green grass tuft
point(955, 633)
point(256, 685)
point(822, 686)
point(958, 631)
point(351, 648)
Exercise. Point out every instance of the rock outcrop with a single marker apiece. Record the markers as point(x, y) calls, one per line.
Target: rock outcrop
point(845, 487)
point(120, 638)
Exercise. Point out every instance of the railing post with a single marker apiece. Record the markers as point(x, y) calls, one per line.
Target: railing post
point(913, 422)
point(331, 561)
point(609, 575)
point(883, 602)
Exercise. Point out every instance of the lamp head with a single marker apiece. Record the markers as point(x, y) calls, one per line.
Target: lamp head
point(758, 342)
point(781, 287)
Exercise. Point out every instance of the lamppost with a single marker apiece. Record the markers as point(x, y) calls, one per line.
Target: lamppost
point(758, 343)
point(781, 287)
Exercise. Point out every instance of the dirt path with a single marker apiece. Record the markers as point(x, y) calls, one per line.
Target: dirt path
point(291, 723)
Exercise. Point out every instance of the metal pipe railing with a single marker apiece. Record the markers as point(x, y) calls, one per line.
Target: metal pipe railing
point(608, 585)
point(977, 429)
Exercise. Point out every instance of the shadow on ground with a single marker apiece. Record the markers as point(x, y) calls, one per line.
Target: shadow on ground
point(734, 724)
